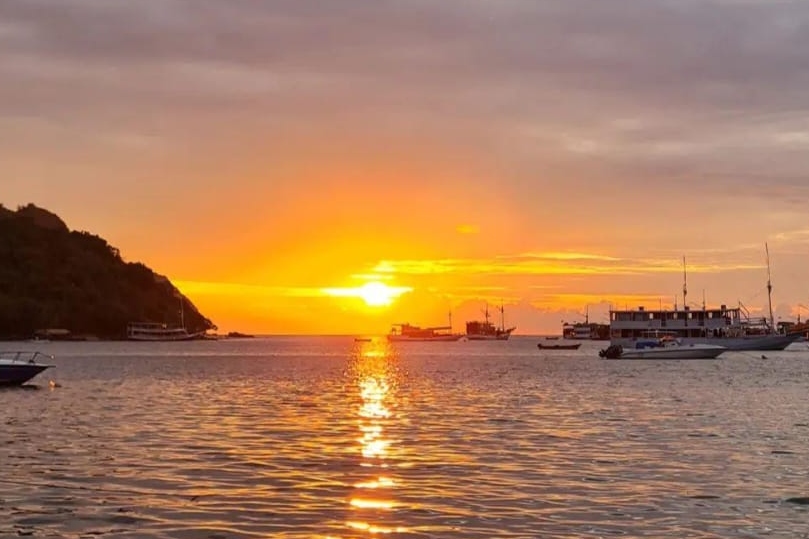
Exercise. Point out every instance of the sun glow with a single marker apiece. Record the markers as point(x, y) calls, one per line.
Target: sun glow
point(374, 293)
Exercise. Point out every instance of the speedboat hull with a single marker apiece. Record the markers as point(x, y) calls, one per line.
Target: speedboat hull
point(15, 375)
point(18, 367)
point(685, 351)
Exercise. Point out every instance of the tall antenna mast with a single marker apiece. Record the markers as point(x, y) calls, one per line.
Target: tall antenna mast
point(685, 287)
point(769, 287)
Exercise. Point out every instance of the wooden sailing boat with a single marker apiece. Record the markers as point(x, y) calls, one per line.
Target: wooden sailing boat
point(486, 331)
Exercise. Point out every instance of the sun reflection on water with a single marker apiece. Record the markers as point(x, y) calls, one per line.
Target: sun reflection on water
point(373, 501)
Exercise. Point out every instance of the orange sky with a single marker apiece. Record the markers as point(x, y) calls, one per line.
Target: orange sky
point(555, 159)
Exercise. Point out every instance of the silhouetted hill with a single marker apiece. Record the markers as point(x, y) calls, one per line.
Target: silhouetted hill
point(52, 277)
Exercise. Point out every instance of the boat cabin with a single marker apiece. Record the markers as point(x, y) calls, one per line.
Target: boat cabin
point(679, 323)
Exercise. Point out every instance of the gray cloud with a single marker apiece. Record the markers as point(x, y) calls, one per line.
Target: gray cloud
point(706, 91)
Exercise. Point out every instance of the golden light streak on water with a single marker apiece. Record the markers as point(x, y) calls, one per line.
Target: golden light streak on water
point(371, 504)
point(380, 482)
point(374, 496)
point(372, 529)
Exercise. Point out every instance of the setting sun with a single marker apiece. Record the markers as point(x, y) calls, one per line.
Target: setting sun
point(377, 294)
point(374, 294)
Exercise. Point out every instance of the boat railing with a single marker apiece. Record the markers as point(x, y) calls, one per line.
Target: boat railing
point(22, 356)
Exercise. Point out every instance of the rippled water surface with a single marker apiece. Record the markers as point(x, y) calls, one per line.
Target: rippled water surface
point(330, 438)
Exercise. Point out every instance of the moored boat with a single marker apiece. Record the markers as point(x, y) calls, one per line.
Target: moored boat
point(556, 346)
point(664, 348)
point(407, 332)
point(730, 327)
point(150, 331)
point(585, 330)
point(155, 331)
point(18, 367)
point(484, 330)
point(723, 326)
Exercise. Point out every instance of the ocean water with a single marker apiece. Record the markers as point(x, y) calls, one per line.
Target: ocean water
point(324, 437)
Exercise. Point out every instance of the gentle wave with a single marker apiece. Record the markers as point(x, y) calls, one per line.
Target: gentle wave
point(324, 437)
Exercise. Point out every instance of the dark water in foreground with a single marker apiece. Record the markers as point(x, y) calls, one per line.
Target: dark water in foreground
point(328, 438)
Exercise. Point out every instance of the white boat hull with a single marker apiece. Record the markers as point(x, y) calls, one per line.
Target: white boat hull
point(752, 342)
point(167, 337)
point(685, 351)
point(440, 338)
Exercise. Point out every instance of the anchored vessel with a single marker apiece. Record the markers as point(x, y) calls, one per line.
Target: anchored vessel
point(554, 346)
point(731, 327)
point(148, 331)
point(666, 347)
point(723, 326)
point(155, 331)
point(586, 330)
point(17, 367)
point(407, 332)
point(486, 331)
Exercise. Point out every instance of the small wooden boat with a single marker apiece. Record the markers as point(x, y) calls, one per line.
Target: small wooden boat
point(555, 346)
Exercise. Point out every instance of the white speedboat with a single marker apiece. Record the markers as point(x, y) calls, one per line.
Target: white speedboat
point(664, 348)
point(17, 367)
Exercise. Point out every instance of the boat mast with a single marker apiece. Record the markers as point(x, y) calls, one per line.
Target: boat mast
point(769, 288)
point(502, 317)
point(685, 287)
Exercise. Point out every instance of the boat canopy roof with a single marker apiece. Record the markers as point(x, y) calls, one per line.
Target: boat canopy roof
point(641, 309)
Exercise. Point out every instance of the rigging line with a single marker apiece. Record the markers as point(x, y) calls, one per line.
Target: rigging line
point(190, 498)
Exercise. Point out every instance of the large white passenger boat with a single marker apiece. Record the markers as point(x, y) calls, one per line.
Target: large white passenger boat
point(731, 327)
point(724, 326)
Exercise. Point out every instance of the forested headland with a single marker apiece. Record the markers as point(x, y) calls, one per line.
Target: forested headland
point(54, 278)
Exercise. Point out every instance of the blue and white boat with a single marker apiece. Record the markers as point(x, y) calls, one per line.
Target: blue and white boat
point(666, 347)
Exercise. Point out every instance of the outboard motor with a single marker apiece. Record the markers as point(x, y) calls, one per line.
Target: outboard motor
point(613, 351)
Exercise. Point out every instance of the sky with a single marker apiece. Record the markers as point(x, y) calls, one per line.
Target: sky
point(554, 157)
